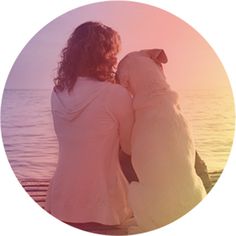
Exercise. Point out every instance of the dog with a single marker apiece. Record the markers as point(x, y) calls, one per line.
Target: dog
point(162, 146)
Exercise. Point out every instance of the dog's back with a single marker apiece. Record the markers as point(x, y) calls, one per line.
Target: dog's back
point(163, 152)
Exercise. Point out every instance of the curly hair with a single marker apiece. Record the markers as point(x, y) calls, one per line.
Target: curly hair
point(91, 52)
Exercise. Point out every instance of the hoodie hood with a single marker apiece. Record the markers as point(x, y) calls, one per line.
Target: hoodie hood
point(69, 105)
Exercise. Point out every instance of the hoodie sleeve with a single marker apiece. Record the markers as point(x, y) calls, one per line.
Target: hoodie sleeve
point(122, 109)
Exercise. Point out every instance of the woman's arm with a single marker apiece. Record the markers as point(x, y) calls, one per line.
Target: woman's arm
point(123, 111)
point(127, 167)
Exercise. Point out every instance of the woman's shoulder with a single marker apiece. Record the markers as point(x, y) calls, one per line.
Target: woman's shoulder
point(118, 97)
point(116, 90)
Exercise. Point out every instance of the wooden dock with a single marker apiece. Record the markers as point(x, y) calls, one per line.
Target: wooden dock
point(37, 189)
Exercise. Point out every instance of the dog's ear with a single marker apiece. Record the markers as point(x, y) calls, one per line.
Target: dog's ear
point(157, 55)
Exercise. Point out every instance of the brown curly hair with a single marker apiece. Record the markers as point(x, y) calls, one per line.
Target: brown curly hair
point(91, 52)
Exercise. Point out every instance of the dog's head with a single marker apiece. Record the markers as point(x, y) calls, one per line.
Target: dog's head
point(136, 61)
point(140, 68)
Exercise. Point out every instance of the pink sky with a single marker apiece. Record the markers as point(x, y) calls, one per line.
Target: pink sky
point(192, 62)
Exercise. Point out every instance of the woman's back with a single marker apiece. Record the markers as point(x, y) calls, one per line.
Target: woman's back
point(88, 184)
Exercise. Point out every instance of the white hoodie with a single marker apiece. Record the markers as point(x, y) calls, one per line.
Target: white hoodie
point(90, 122)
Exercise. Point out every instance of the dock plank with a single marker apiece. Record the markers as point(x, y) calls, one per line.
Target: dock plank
point(37, 189)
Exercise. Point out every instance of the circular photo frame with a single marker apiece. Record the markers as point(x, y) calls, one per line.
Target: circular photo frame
point(117, 118)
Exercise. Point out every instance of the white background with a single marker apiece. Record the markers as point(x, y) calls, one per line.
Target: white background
point(214, 20)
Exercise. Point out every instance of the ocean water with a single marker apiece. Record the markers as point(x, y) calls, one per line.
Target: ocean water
point(32, 149)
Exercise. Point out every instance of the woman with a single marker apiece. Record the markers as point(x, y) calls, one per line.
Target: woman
point(92, 118)
point(163, 152)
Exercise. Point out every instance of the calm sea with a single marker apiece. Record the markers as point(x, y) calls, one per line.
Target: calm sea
point(31, 145)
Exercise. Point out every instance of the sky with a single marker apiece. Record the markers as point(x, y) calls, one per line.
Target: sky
point(192, 61)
